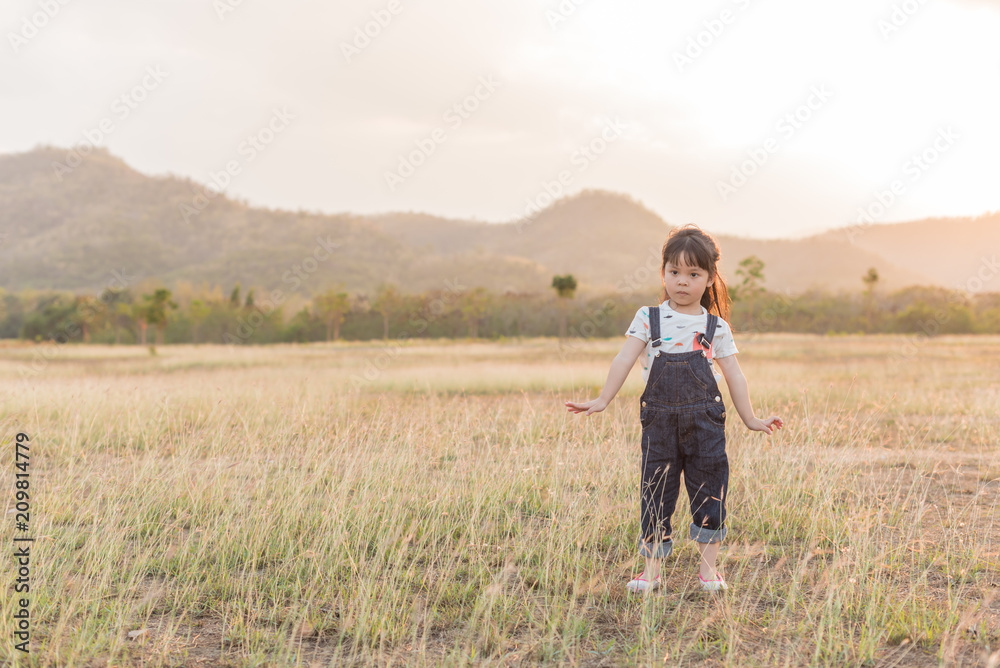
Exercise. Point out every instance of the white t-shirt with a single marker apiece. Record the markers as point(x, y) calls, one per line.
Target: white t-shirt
point(677, 332)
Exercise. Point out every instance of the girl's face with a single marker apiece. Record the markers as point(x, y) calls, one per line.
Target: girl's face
point(685, 283)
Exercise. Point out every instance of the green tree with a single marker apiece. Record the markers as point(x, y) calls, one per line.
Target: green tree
point(199, 310)
point(155, 311)
point(116, 302)
point(989, 321)
point(51, 319)
point(331, 306)
point(122, 317)
point(89, 314)
point(870, 280)
point(388, 300)
point(751, 271)
point(473, 306)
point(565, 287)
point(234, 296)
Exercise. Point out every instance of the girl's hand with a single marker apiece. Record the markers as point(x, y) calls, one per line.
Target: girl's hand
point(592, 406)
point(767, 426)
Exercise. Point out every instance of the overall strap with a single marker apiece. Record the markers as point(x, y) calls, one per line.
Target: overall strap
point(654, 325)
point(706, 339)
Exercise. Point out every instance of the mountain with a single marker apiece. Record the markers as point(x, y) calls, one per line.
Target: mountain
point(103, 217)
point(72, 231)
point(941, 251)
point(594, 236)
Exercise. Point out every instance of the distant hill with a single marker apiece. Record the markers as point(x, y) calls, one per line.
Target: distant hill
point(104, 216)
point(939, 251)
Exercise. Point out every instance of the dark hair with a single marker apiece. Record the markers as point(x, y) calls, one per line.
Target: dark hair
point(698, 248)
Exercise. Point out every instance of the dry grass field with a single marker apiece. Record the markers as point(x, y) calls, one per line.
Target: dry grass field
point(433, 503)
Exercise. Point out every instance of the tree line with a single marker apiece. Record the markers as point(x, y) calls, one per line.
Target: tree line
point(123, 316)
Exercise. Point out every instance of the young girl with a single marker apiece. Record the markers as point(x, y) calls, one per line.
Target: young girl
point(681, 411)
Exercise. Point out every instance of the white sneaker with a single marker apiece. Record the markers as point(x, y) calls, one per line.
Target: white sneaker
point(639, 583)
point(712, 585)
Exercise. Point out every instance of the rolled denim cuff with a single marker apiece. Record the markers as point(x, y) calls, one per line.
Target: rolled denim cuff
point(660, 551)
point(703, 535)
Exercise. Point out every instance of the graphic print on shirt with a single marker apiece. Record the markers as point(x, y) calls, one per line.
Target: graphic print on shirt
point(683, 336)
point(649, 354)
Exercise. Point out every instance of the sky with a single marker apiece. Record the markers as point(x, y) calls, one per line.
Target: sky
point(761, 118)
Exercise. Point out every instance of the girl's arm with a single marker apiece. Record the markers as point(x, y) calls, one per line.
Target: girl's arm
point(740, 392)
point(620, 366)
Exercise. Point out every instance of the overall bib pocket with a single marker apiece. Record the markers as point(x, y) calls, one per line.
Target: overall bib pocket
point(685, 387)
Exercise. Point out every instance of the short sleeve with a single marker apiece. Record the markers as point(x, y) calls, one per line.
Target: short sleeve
point(640, 325)
point(723, 345)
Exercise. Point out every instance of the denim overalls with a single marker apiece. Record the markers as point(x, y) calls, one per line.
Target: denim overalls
point(683, 422)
